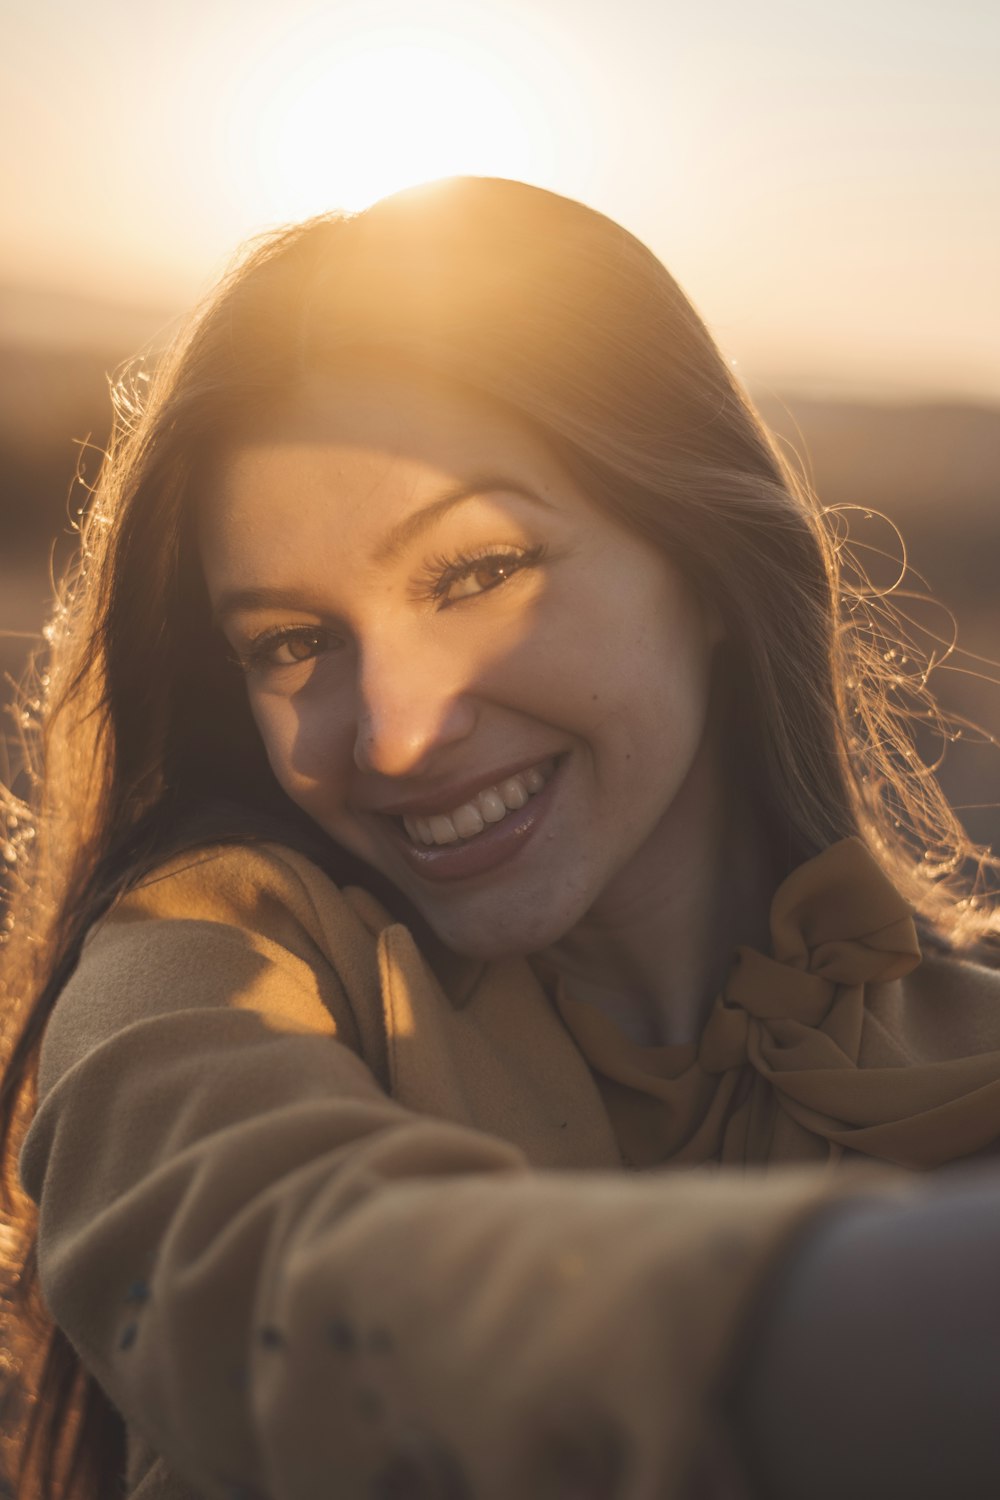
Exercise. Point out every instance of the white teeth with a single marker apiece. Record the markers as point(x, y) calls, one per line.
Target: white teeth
point(468, 820)
point(489, 806)
point(514, 792)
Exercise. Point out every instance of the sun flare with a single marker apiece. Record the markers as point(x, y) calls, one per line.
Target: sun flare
point(343, 127)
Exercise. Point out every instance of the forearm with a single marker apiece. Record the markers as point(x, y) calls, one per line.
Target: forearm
point(875, 1369)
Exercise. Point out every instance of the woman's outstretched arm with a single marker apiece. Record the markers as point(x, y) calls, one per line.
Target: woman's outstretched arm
point(292, 1286)
point(875, 1370)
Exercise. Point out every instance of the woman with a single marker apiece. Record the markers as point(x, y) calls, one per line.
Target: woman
point(455, 680)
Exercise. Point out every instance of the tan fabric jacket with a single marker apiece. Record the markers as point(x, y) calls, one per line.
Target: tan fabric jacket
point(326, 1227)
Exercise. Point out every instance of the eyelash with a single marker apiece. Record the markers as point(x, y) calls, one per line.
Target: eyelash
point(263, 646)
point(441, 572)
point(432, 584)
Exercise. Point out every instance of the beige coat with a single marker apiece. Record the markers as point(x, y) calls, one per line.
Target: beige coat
point(326, 1225)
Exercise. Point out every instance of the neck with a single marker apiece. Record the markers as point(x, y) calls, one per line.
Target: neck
point(654, 952)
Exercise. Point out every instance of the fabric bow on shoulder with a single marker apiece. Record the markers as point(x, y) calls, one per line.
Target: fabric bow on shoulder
point(839, 1040)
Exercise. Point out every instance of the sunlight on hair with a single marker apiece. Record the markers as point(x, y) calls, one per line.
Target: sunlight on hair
point(342, 125)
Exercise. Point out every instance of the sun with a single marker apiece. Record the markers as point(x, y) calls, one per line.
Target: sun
point(341, 127)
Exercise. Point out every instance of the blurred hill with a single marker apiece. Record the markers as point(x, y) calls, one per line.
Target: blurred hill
point(63, 320)
point(934, 470)
point(57, 353)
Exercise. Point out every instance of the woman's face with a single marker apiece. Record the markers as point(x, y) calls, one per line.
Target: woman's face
point(462, 670)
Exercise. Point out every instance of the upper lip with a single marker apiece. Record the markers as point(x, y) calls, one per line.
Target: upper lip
point(445, 799)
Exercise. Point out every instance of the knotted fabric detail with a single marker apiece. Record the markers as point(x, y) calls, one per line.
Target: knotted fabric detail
point(814, 1049)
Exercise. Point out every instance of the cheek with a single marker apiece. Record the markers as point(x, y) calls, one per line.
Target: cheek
point(309, 747)
point(663, 683)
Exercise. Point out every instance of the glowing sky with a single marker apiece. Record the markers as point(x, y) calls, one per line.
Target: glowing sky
point(823, 179)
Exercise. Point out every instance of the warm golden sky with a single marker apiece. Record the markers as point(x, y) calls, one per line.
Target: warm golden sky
point(824, 179)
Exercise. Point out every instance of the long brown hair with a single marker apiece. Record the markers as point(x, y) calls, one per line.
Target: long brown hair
point(142, 729)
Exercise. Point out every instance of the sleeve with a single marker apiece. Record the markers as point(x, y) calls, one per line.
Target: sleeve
point(292, 1287)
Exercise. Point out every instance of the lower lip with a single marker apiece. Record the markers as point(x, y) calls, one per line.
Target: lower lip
point(494, 846)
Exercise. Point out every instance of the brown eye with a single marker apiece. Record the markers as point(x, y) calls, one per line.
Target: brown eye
point(301, 647)
point(288, 648)
point(484, 575)
point(446, 581)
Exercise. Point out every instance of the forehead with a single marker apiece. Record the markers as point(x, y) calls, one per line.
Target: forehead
point(367, 444)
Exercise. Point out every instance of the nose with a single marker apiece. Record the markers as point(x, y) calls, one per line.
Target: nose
point(411, 705)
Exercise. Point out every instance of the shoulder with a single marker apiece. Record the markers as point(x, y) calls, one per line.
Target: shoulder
point(972, 974)
point(227, 927)
point(947, 1008)
point(263, 887)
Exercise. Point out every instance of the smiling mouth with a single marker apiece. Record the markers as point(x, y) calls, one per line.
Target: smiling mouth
point(481, 812)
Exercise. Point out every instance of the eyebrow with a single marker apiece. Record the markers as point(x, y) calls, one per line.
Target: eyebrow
point(412, 526)
point(402, 535)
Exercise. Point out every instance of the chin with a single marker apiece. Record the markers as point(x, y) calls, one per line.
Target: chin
point(494, 939)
